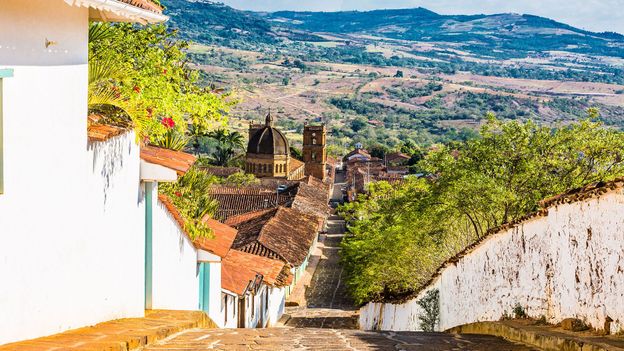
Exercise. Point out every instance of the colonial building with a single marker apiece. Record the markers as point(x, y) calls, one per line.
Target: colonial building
point(268, 153)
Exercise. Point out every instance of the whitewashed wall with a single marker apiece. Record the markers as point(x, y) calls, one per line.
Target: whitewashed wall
point(231, 312)
point(567, 264)
point(56, 238)
point(175, 268)
point(277, 302)
point(214, 305)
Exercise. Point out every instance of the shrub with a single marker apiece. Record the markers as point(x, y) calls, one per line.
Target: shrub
point(431, 310)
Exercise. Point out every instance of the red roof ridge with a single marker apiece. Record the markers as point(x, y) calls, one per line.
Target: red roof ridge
point(178, 161)
point(224, 236)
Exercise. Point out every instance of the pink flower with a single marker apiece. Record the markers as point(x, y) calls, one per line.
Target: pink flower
point(168, 122)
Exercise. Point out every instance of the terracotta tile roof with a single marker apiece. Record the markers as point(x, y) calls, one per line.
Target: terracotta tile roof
point(271, 270)
point(312, 197)
point(295, 165)
point(589, 191)
point(178, 161)
point(397, 156)
point(145, 5)
point(103, 132)
point(234, 276)
point(224, 236)
point(280, 232)
point(97, 131)
point(357, 152)
point(234, 201)
point(237, 220)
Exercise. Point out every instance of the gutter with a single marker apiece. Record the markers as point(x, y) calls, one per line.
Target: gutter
point(121, 9)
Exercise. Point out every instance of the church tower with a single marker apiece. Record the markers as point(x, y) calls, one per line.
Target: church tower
point(315, 151)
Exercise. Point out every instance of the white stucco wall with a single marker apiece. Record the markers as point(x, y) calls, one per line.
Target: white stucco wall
point(214, 306)
point(229, 310)
point(67, 231)
point(256, 309)
point(277, 302)
point(175, 269)
point(567, 264)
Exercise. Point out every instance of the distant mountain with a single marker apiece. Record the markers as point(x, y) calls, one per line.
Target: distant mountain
point(513, 34)
point(500, 36)
point(208, 22)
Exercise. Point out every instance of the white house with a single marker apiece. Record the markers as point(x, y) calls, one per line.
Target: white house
point(71, 210)
point(254, 290)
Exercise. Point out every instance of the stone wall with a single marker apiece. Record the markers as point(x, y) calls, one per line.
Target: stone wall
point(567, 262)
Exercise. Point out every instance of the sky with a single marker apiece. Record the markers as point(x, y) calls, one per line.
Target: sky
point(595, 15)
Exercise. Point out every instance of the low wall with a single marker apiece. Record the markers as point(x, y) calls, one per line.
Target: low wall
point(568, 262)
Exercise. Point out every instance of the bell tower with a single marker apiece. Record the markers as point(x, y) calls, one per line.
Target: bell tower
point(315, 151)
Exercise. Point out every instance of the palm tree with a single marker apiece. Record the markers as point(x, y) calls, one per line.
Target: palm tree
point(228, 143)
point(103, 97)
point(234, 139)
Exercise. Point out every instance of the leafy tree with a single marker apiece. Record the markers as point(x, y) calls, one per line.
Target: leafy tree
point(140, 76)
point(227, 148)
point(398, 236)
point(191, 196)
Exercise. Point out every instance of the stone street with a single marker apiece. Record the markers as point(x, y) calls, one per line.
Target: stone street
point(276, 339)
point(329, 321)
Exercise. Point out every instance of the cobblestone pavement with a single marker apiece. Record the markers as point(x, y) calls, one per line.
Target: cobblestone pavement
point(277, 339)
point(328, 303)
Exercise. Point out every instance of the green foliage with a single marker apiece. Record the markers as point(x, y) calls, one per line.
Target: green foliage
point(399, 235)
point(227, 149)
point(240, 179)
point(190, 195)
point(143, 71)
point(430, 304)
point(173, 140)
point(519, 312)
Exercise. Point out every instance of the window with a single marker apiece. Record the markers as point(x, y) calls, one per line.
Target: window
point(314, 141)
point(4, 73)
point(314, 156)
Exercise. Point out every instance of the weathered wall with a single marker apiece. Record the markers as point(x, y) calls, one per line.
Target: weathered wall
point(175, 269)
point(569, 263)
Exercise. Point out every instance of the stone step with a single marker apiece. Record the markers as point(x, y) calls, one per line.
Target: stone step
point(118, 335)
point(543, 337)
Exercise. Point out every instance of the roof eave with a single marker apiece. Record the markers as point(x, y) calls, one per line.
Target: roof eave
point(117, 11)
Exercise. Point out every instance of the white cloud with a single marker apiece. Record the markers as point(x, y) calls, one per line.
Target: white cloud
point(596, 15)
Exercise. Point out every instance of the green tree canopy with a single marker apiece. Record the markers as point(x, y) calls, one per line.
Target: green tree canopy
point(143, 73)
point(399, 235)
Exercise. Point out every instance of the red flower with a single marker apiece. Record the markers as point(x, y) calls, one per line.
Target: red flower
point(165, 71)
point(137, 89)
point(178, 194)
point(150, 112)
point(168, 122)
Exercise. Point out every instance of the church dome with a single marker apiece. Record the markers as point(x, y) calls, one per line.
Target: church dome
point(268, 140)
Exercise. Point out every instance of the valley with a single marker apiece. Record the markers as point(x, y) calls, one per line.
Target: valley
point(389, 78)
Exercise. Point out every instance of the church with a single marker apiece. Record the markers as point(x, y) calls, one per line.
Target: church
point(268, 152)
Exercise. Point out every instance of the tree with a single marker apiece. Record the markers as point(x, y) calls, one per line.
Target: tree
point(398, 74)
point(140, 76)
point(228, 145)
point(399, 235)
